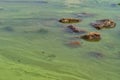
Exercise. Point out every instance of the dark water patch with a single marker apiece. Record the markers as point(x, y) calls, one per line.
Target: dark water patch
point(95, 54)
point(45, 55)
point(8, 28)
point(51, 57)
point(118, 55)
point(118, 4)
point(40, 31)
point(1, 8)
point(111, 45)
point(113, 5)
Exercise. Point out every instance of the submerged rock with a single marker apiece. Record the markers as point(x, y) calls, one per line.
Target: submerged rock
point(42, 30)
point(96, 54)
point(8, 28)
point(92, 36)
point(76, 29)
point(104, 23)
point(113, 5)
point(51, 57)
point(74, 43)
point(118, 3)
point(69, 20)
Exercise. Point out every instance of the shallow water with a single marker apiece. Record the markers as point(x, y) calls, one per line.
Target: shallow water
point(33, 42)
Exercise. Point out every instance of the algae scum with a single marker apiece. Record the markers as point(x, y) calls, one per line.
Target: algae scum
point(34, 45)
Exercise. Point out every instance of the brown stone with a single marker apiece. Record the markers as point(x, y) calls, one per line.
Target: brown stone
point(74, 43)
point(105, 23)
point(92, 36)
point(76, 29)
point(69, 20)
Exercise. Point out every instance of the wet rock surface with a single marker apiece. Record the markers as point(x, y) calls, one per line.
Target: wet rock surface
point(74, 43)
point(92, 36)
point(75, 29)
point(104, 23)
point(69, 20)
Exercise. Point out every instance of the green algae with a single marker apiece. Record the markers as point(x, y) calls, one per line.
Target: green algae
point(40, 54)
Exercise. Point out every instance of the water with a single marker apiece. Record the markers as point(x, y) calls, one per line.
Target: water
point(33, 42)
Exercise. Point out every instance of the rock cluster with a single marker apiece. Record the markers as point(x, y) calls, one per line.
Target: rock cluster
point(90, 36)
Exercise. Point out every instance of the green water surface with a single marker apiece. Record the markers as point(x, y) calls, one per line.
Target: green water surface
point(33, 42)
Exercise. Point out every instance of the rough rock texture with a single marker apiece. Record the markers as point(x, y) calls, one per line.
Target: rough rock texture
point(69, 20)
point(105, 23)
point(76, 29)
point(92, 36)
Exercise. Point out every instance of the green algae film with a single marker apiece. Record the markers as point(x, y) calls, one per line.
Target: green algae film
point(33, 42)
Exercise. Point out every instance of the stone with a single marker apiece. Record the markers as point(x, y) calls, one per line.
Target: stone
point(104, 23)
point(92, 36)
point(76, 29)
point(69, 20)
point(74, 43)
